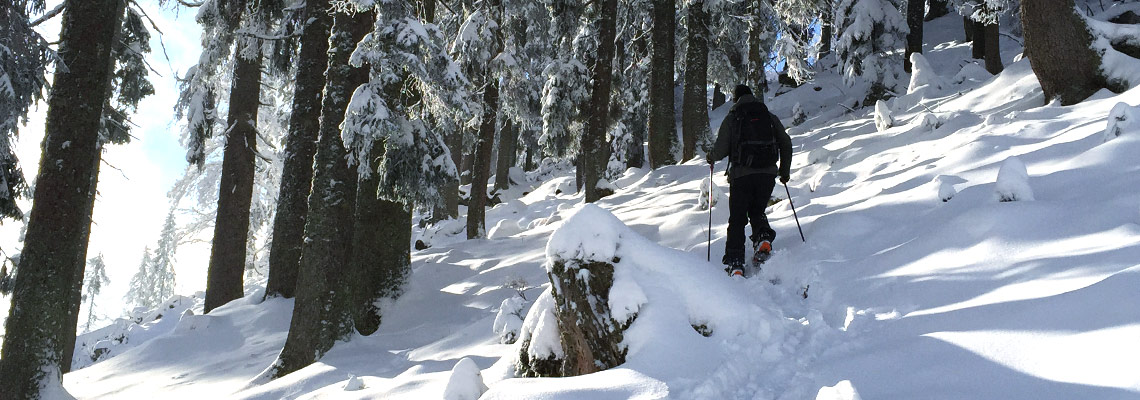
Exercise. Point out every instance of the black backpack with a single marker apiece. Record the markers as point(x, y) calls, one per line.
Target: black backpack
point(756, 141)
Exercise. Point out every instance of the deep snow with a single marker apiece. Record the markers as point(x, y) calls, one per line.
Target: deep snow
point(919, 282)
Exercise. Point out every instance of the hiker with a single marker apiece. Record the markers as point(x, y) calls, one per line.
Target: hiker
point(753, 139)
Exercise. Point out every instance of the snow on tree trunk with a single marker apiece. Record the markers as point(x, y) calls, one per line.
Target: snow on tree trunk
point(323, 311)
point(300, 147)
point(235, 191)
point(695, 107)
point(581, 260)
point(662, 128)
point(595, 150)
point(1013, 181)
point(55, 242)
point(1059, 47)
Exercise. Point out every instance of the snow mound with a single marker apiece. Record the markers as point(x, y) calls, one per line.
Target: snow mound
point(1121, 120)
point(706, 185)
point(843, 390)
point(1013, 181)
point(883, 118)
point(353, 384)
point(508, 320)
point(504, 228)
point(945, 186)
point(972, 72)
point(922, 75)
point(466, 382)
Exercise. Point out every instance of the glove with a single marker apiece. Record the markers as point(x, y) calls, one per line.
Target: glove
point(711, 161)
point(783, 178)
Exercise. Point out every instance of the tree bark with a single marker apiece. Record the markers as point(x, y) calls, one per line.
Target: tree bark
point(718, 96)
point(826, 31)
point(381, 256)
point(993, 48)
point(662, 128)
point(235, 191)
point(508, 152)
point(968, 27)
point(594, 147)
point(938, 8)
point(300, 147)
point(914, 13)
point(324, 311)
point(978, 37)
point(1058, 45)
point(60, 220)
point(695, 106)
point(476, 206)
point(757, 80)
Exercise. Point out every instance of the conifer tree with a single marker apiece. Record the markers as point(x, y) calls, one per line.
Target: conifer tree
point(95, 276)
point(35, 343)
point(304, 124)
point(23, 68)
point(662, 129)
point(163, 279)
point(870, 32)
point(594, 146)
point(695, 114)
point(140, 293)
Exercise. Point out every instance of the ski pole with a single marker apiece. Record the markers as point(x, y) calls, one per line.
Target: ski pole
point(708, 246)
point(794, 212)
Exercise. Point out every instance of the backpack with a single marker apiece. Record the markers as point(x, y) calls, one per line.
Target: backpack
point(756, 141)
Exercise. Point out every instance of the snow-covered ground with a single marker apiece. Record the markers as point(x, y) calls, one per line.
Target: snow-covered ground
point(919, 282)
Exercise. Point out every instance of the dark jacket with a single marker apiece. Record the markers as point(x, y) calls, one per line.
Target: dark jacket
point(726, 139)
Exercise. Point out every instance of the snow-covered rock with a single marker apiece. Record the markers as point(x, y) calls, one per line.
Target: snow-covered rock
point(1123, 119)
point(1013, 181)
point(465, 383)
point(929, 121)
point(883, 118)
point(353, 384)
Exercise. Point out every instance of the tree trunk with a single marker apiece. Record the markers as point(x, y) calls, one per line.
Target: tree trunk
point(695, 106)
point(451, 192)
point(662, 128)
point(993, 49)
point(718, 97)
point(825, 33)
point(300, 146)
point(467, 166)
point(914, 12)
point(978, 37)
point(968, 27)
point(938, 8)
point(235, 192)
point(757, 80)
point(1058, 45)
point(476, 206)
point(60, 219)
point(594, 147)
point(508, 152)
point(381, 256)
point(323, 312)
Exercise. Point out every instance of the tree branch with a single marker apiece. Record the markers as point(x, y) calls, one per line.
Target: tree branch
point(48, 15)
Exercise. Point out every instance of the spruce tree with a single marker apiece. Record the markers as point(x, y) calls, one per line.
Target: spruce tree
point(695, 111)
point(594, 146)
point(23, 69)
point(662, 128)
point(140, 292)
point(1059, 45)
point(95, 277)
point(34, 350)
point(304, 124)
point(323, 311)
point(870, 33)
point(162, 278)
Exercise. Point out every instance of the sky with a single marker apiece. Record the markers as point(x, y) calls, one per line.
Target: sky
point(131, 204)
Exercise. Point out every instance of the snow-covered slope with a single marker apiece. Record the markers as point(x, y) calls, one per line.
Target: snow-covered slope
point(908, 295)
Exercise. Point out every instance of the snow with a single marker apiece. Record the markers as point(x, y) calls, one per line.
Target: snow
point(1123, 119)
point(883, 118)
point(466, 382)
point(918, 283)
point(1013, 181)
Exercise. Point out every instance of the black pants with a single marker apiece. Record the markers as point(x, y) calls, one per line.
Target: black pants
point(747, 198)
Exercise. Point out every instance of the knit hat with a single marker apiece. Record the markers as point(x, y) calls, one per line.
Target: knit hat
point(740, 91)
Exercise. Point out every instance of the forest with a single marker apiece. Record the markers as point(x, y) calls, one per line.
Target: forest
point(328, 140)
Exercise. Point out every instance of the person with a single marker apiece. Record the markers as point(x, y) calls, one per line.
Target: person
point(753, 139)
